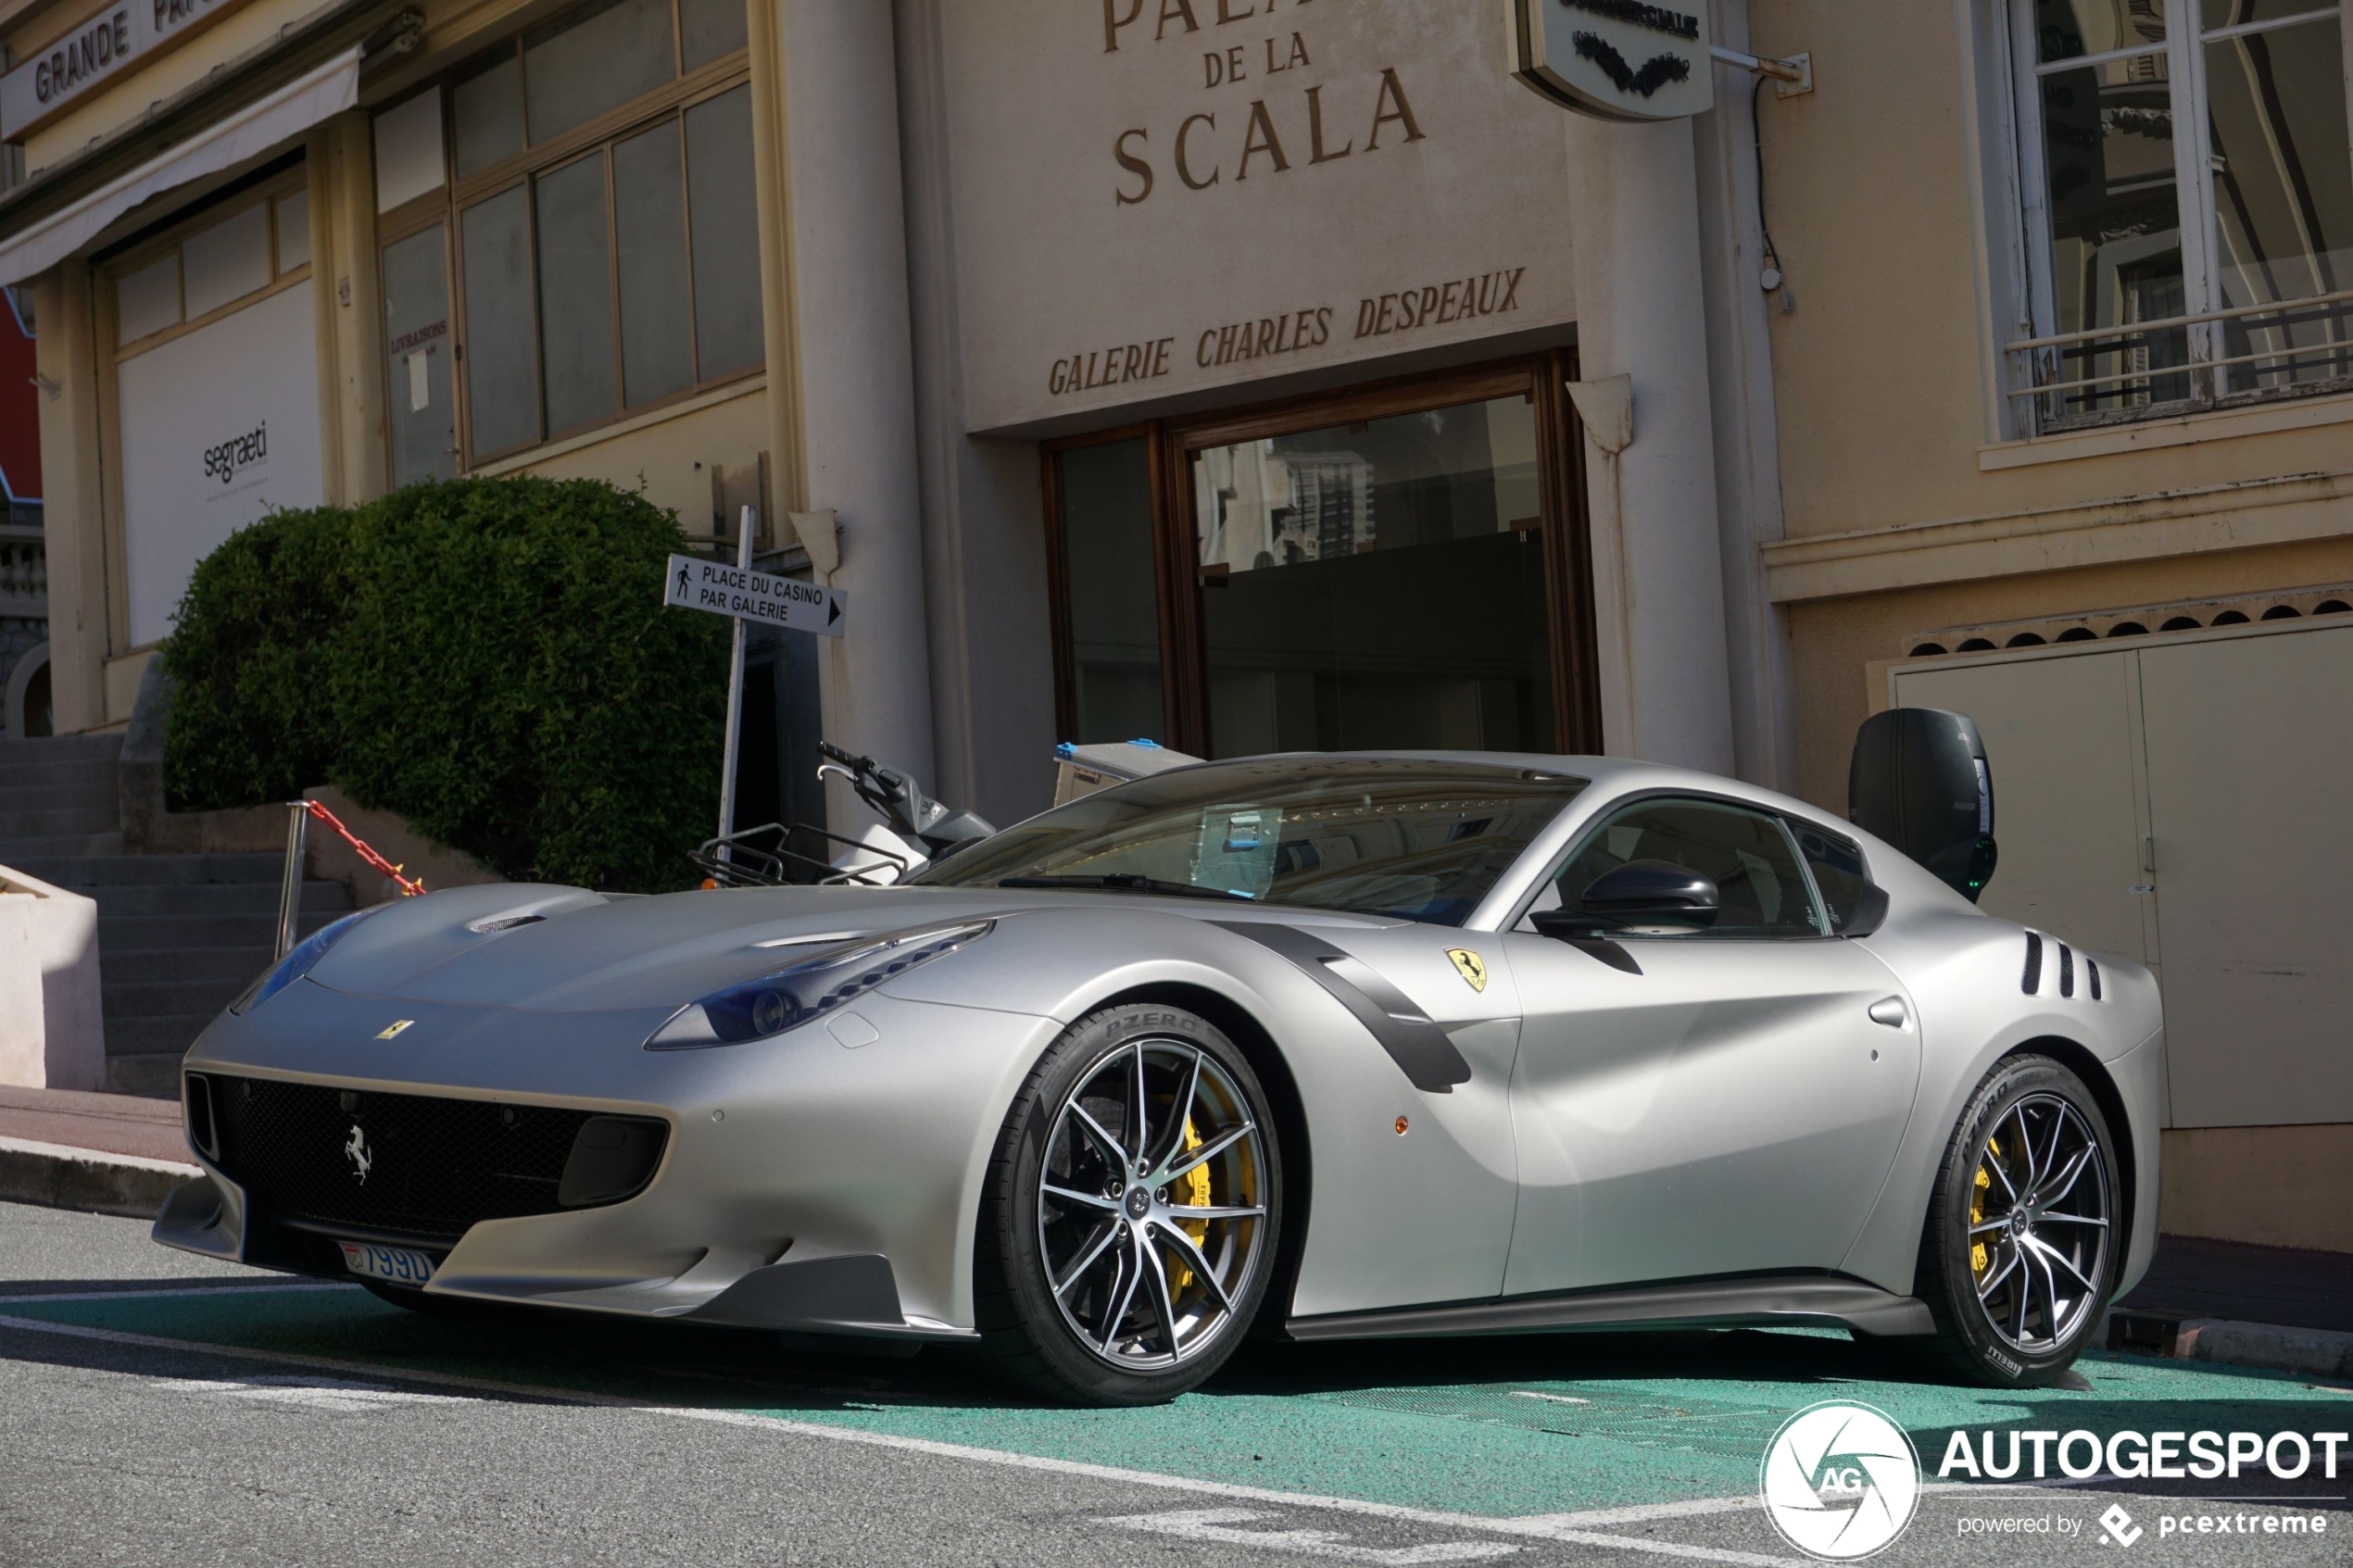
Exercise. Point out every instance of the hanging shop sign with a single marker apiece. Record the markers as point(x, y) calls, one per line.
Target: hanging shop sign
point(1619, 59)
point(94, 51)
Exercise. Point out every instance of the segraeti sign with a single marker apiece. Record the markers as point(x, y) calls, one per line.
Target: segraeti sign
point(1619, 59)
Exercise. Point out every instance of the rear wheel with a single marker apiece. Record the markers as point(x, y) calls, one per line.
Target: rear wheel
point(2021, 1249)
point(1128, 1224)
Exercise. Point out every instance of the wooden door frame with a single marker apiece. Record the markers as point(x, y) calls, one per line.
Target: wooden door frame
point(1564, 530)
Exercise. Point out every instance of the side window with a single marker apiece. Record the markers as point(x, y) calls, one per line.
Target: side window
point(1747, 854)
point(1837, 866)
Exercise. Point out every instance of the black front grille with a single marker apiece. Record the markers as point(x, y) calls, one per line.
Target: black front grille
point(432, 1165)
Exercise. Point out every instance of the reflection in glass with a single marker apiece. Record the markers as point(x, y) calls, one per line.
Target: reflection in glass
point(710, 30)
point(1103, 503)
point(727, 234)
point(575, 294)
point(487, 104)
point(2239, 13)
point(2066, 30)
point(649, 222)
point(1377, 585)
point(2282, 196)
point(593, 59)
point(421, 411)
point(2116, 241)
point(494, 250)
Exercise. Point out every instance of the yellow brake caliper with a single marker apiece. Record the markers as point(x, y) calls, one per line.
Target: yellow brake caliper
point(1196, 1185)
point(1977, 1259)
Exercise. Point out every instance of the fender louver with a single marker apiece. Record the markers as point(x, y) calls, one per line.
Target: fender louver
point(2030, 980)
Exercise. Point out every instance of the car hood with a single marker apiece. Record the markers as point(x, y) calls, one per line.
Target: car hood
point(573, 950)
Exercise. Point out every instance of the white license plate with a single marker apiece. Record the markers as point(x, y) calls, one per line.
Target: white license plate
point(399, 1264)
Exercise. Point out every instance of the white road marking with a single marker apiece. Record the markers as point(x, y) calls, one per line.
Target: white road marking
point(1540, 1527)
point(311, 1392)
point(1549, 1399)
point(1217, 1525)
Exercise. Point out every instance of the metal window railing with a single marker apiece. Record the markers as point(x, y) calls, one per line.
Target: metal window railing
point(2173, 364)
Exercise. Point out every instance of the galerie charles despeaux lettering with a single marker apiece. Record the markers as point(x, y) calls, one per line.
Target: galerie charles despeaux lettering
point(224, 461)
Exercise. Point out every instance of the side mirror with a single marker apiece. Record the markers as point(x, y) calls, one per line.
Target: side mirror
point(1638, 893)
point(1920, 780)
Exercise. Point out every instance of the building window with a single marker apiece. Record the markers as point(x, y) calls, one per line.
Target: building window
point(1398, 566)
point(600, 216)
point(2188, 206)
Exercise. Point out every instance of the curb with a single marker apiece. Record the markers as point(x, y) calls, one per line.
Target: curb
point(2321, 1352)
point(2312, 1352)
point(57, 1177)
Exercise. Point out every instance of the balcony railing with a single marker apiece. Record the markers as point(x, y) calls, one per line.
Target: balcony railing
point(24, 573)
point(2185, 364)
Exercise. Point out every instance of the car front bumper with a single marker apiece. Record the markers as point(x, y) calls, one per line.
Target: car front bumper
point(806, 1183)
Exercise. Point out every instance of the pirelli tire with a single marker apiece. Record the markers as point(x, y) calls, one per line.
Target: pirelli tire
point(1130, 1216)
point(2024, 1230)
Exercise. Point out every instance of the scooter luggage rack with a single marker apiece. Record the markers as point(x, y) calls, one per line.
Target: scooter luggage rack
point(747, 865)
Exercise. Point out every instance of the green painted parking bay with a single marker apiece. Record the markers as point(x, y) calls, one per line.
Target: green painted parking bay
point(1490, 1427)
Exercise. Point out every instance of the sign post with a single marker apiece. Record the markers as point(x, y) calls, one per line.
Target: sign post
point(742, 595)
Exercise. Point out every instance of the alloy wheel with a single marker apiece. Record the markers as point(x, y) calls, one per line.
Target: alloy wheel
point(2039, 1222)
point(1152, 1204)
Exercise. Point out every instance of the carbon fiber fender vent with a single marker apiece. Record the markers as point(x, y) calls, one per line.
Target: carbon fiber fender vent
point(2067, 970)
point(2032, 981)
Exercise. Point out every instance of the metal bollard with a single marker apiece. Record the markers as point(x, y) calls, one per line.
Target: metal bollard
point(290, 886)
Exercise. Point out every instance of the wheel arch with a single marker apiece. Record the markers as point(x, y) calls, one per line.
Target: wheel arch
point(2079, 1060)
point(1257, 1046)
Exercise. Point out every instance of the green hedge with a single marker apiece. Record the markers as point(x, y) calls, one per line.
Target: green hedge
point(490, 658)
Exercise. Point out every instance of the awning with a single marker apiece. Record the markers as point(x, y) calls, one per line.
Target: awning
point(250, 132)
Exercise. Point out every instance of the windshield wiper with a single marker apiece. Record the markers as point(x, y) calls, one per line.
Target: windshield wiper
point(1128, 881)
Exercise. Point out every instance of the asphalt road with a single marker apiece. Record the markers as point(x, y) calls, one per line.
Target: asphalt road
point(160, 1408)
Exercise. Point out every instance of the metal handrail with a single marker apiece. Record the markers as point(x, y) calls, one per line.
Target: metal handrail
point(2343, 350)
point(2163, 323)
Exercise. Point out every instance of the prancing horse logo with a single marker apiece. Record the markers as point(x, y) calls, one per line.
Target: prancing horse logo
point(354, 1148)
point(1470, 966)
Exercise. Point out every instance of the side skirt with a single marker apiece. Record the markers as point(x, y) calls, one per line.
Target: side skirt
point(1765, 1302)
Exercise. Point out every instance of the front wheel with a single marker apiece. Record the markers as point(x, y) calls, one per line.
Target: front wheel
point(2023, 1239)
point(1127, 1228)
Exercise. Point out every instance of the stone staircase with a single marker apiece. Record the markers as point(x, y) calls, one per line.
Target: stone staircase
point(179, 935)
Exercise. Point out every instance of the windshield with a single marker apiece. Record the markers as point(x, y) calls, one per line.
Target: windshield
point(1419, 841)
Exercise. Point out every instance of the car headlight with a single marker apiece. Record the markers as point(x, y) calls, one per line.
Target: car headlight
point(299, 962)
point(792, 996)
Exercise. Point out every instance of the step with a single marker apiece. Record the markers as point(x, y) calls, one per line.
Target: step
point(77, 772)
point(51, 846)
point(51, 795)
point(60, 748)
point(170, 998)
point(88, 873)
point(124, 936)
point(202, 900)
point(185, 963)
point(171, 1032)
point(153, 1074)
point(101, 817)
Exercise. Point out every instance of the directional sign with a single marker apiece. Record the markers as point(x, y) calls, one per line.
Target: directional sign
point(692, 582)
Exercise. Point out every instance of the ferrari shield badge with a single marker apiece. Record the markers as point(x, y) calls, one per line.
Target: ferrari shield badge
point(1470, 967)
point(395, 1028)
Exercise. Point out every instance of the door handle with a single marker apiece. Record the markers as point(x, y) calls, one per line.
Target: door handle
point(1891, 1011)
